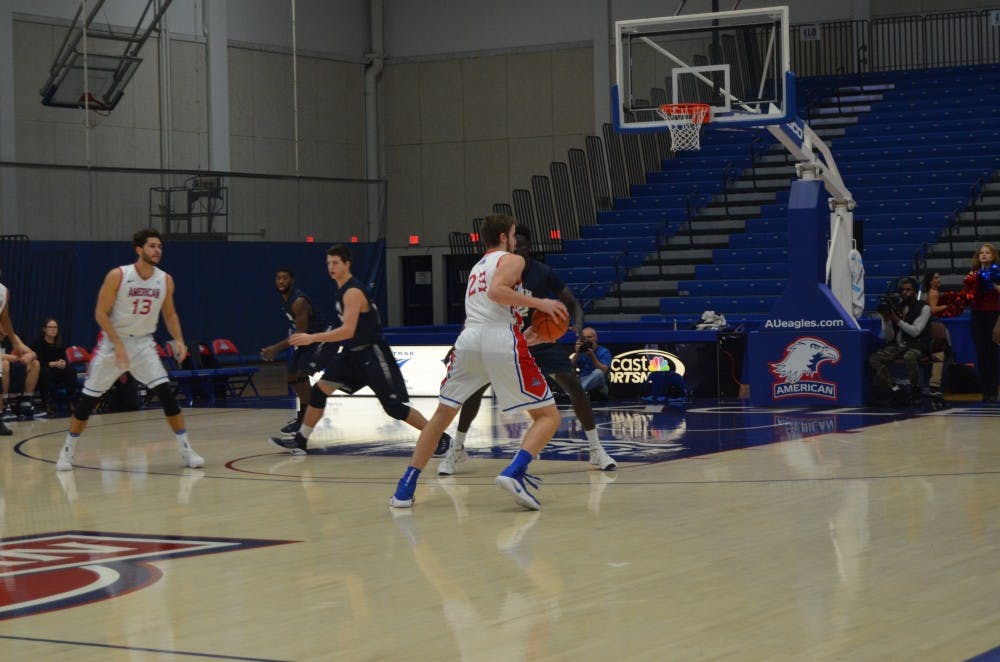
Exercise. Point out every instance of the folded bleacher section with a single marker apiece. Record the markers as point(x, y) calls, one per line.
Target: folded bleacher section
point(916, 148)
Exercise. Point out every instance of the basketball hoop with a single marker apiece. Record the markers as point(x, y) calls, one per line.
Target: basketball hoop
point(98, 109)
point(684, 121)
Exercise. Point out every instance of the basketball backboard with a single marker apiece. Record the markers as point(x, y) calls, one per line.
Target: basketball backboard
point(735, 61)
point(104, 78)
point(86, 72)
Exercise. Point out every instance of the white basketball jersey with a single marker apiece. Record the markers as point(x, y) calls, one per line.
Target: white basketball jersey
point(3, 296)
point(479, 308)
point(137, 306)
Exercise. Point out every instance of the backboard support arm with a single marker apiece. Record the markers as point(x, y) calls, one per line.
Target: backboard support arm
point(801, 141)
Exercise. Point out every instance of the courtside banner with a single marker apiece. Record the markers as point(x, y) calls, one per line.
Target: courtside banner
point(636, 366)
point(808, 367)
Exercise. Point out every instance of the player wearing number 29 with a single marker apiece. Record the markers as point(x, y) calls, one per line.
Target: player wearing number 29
point(129, 306)
point(492, 349)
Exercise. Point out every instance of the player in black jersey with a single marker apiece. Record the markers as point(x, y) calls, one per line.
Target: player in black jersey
point(539, 280)
point(302, 318)
point(365, 359)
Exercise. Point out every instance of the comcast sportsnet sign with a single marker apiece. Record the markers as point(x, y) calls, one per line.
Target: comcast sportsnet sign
point(636, 366)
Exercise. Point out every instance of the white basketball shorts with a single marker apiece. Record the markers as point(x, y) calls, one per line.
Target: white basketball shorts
point(143, 362)
point(495, 354)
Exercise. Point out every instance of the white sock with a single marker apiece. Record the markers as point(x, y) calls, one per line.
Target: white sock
point(458, 441)
point(595, 443)
point(70, 446)
point(182, 440)
point(305, 430)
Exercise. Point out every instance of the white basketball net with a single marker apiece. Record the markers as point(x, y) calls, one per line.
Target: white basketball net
point(684, 123)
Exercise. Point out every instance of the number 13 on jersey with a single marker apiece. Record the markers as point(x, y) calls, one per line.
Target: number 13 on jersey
point(141, 306)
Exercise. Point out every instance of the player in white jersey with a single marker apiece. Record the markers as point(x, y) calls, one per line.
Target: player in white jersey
point(129, 306)
point(20, 350)
point(492, 349)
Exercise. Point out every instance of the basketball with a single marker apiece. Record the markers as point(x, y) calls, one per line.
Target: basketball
point(548, 328)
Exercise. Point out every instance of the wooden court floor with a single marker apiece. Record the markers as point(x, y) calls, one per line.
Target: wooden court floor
point(726, 533)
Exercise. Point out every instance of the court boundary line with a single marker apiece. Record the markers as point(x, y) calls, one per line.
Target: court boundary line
point(214, 656)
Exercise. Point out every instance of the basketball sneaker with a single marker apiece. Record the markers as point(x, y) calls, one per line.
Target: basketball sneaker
point(600, 458)
point(4, 430)
point(444, 443)
point(191, 459)
point(455, 454)
point(65, 461)
point(295, 445)
point(8, 413)
point(25, 411)
point(400, 502)
point(407, 485)
point(292, 426)
point(513, 480)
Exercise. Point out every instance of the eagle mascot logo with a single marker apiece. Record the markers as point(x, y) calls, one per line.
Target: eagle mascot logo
point(802, 360)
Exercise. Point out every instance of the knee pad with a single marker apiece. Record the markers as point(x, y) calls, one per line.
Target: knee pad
point(397, 410)
point(317, 398)
point(167, 399)
point(85, 407)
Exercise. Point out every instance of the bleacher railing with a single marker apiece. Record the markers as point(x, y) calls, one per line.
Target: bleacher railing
point(894, 43)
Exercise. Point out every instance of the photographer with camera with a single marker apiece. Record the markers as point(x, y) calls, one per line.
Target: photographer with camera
point(593, 362)
point(907, 333)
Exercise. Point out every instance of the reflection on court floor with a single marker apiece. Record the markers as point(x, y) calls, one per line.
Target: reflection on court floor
point(631, 431)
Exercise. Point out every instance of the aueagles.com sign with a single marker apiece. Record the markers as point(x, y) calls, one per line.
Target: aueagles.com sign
point(796, 324)
point(634, 367)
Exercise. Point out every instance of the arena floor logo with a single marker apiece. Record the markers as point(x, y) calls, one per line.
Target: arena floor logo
point(50, 571)
point(802, 360)
point(635, 366)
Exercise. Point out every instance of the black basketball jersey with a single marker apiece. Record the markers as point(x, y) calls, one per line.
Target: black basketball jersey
point(369, 329)
point(539, 280)
point(316, 322)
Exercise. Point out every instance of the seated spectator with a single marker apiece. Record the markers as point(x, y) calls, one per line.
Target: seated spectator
point(907, 334)
point(20, 378)
point(593, 362)
point(54, 369)
point(932, 292)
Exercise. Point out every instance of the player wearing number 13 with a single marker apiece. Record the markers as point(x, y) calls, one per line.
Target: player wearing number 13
point(492, 349)
point(129, 306)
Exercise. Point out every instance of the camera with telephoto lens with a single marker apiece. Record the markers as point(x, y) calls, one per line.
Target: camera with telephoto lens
point(586, 345)
point(890, 303)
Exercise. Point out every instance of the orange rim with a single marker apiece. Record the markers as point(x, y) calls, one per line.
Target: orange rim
point(699, 112)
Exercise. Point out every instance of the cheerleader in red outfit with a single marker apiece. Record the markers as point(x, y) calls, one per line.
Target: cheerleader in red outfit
point(984, 282)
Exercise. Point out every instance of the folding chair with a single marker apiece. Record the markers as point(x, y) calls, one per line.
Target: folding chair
point(193, 380)
point(77, 356)
point(238, 377)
